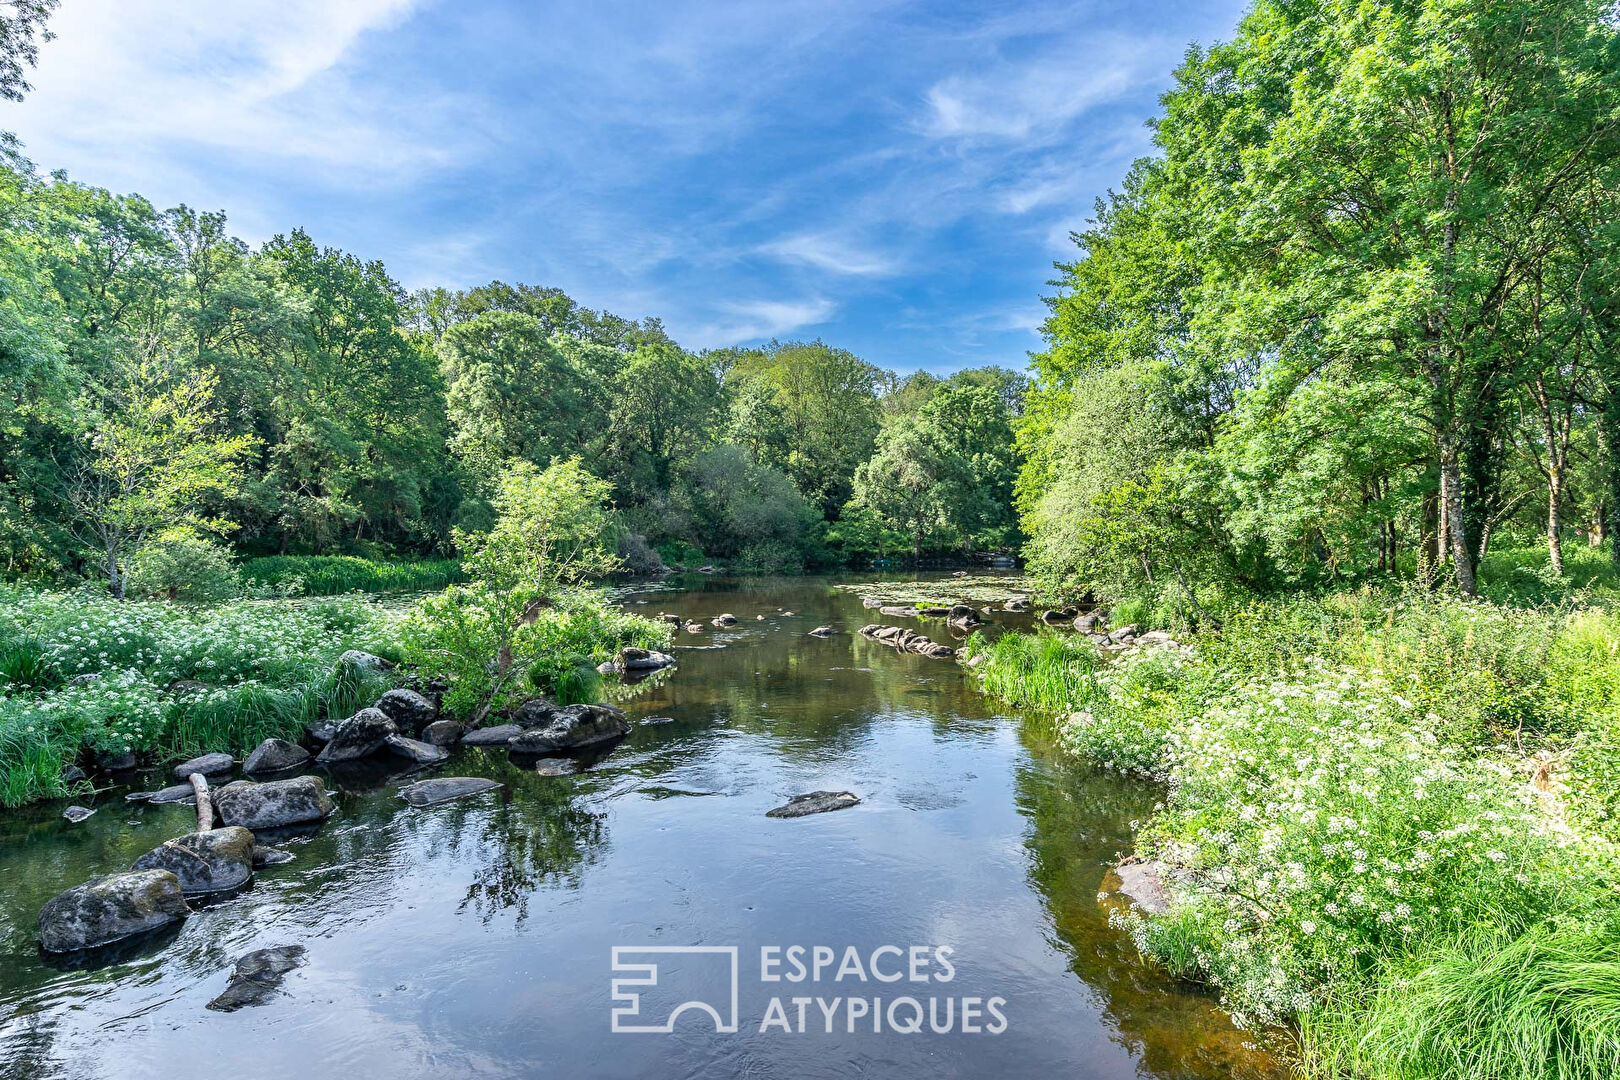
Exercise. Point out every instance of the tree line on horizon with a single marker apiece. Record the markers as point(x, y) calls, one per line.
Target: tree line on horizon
point(166, 384)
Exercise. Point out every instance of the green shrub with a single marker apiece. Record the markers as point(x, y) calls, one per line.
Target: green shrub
point(180, 565)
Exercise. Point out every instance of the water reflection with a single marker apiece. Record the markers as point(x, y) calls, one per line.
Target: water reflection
point(473, 937)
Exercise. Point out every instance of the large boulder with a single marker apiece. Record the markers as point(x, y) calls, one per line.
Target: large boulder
point(273, 804)
point(256, 977)
point(631, 658)
point(815, 802)
point(111, 908)
point(572, 728)
point(442, 733)
point(216, 861)
point(207, 764)
point(535, 713)
point(275, 755)
point(410, 711)
point(359, 736)
point(445, 788)
point(416, 751)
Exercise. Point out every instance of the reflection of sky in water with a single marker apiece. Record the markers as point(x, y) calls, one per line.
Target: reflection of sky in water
point(474, 938)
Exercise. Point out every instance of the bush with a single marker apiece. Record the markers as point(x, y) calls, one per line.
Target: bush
point(1350, 817)
point(183, 566)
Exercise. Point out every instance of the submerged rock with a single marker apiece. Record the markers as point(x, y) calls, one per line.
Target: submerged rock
point(693, 628)
point(178, 793)
point(274, 803)
point(410, 711)
point(257, 977)
point(573, 727)
point(414, 750)
point(815, 802)
point(499, 735)
point(899, 612)
point(269, 855)
point(275, 755)
point(442, 733)
point(359, 736)
point(1143, 884)
point(76, 814)
point(445, 788)
point(216, 861)
point(110, 908)
point(822, 632)
point(207, 764)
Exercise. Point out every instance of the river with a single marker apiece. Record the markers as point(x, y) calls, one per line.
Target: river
point(477, 938)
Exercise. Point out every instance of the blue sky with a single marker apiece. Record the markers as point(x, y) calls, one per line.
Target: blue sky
point(896, 178)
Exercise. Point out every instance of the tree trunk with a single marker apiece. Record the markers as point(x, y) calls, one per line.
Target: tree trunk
point(1555, 543)
point(1452, 514)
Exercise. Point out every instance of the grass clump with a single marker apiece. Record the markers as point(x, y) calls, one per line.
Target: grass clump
point(333, 575)
point(1362, 790)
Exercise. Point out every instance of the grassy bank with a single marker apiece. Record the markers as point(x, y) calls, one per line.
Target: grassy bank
point(333, 575)
point(1391, 818)
point(84, 678)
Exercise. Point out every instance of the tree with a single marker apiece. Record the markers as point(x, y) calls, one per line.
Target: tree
point(553, 530)
point(155, 455)
point(914, 482)
point(21, 22)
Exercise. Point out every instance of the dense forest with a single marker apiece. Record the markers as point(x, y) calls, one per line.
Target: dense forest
point(168, 386)
point(1357, 315)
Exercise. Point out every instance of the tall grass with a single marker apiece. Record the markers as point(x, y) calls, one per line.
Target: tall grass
point(1044, 671)
point(332, 575)
point(1541, 1006)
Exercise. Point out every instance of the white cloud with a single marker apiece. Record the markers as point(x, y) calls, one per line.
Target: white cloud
point(127, 81)
point(827, 252)
point(757, 320)
point(1035, 97)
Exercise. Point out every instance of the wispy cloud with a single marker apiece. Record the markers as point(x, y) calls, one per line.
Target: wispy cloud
point(831, 253)
point(1036, 97)
point(759, 320)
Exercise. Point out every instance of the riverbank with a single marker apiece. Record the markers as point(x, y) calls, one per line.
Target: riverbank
point(91, 686)
point(1391, 820)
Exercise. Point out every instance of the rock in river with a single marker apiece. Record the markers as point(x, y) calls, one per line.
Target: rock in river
point(111, 908)
point(726, 619)
point(445, 788)
point(634, 659)
point(822, 631)
point(536, 712)
point(256, 977)
point(207, 764)
point(410, 711)
point(275, 755)
point(815, 802)
point(359, 736)
point(76, 814)
point(412, 750)
point(269, 855)
point(442, 733)
point(216, 861)
point(274, 803)
point(573, 727)
point(499, 735)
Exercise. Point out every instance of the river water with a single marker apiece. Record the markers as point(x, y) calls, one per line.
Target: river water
point(477, 938)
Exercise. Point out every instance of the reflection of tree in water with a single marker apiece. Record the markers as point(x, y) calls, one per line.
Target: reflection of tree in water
point(544, 843)
point(1081, 825)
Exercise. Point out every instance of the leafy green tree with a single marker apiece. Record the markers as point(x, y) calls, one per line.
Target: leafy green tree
point(155, 456)
point(915, 482)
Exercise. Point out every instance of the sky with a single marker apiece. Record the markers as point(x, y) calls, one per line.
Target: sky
point(894, 178)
